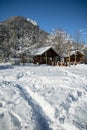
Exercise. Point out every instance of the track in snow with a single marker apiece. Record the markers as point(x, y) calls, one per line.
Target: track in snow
point(42, 122)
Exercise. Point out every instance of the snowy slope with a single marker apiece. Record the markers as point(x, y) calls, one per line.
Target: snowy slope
point(43, 97)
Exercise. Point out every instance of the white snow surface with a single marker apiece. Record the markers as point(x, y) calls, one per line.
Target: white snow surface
point(42, 50)
point(32, 21)
point(41, 97)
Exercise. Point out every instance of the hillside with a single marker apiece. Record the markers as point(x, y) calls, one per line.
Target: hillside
point(19, 34)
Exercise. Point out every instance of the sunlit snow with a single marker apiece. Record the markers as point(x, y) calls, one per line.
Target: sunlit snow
point(32, 21)
point(41, 97)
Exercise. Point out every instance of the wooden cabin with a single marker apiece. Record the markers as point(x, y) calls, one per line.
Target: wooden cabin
point(46, 55)
point(74, 57)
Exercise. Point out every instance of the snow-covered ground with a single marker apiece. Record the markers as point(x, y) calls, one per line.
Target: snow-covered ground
point(43, 97)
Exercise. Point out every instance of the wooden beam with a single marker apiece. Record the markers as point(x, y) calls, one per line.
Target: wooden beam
point(75, 57)
point(69, 53)
point(46, 56)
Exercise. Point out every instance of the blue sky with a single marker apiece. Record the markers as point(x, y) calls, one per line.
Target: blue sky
point(70, 15)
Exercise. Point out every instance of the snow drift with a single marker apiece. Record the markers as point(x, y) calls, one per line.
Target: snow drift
point(43, 97)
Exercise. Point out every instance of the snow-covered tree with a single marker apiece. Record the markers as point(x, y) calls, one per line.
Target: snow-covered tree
point(77, 40)
point(61, 39)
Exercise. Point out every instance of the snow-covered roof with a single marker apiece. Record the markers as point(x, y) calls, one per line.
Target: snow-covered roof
point(72, 53)
point(41, 50)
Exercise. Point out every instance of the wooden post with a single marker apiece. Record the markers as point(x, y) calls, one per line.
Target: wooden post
point(46, 56)
point(69, 57)
point(75, 57)
point(69, 53)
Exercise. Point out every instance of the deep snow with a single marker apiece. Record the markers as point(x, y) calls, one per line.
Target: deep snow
point(34, 97)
